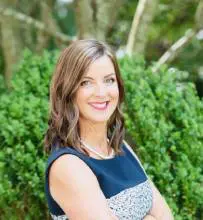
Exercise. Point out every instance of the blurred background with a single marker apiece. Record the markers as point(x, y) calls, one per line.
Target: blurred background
point(158, 25)
point(159, 45)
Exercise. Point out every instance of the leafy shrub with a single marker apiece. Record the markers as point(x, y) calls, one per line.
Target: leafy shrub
point(165, 119)
point(23, 116)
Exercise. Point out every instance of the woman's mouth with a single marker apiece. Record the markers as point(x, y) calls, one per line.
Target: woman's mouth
point(99, 105)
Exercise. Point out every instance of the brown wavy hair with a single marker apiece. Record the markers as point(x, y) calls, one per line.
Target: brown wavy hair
point(63, 127)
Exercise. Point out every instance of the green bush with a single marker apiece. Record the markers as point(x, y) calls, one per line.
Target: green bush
point(164, 117)
point(23, 116)
point(164, 121)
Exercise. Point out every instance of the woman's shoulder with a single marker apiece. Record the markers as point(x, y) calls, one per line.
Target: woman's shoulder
point(64, 168)
point(57, 152)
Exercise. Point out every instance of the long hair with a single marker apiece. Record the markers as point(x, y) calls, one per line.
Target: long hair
point(63, 125)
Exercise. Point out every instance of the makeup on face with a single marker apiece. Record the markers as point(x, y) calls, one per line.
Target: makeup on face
point(98, 94)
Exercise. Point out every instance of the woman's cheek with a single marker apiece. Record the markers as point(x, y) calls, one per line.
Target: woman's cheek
point(85, 93)
point(114, 92)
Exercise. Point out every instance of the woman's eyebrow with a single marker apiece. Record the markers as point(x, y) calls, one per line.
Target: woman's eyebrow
point(111, 74)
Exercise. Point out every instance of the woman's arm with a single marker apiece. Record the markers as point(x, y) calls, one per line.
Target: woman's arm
point(160, 210)
point(149, 217)
point(75, 188)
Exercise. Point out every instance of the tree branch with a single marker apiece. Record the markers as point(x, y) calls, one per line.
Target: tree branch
point(37, 24)
point(175, 49)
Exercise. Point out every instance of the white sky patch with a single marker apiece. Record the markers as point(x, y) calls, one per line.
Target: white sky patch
point(200, 35)
point(65, 1)
point(120, 52)
point(61, 9)
point(200, 72)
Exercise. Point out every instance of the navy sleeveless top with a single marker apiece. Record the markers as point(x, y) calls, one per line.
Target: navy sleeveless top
point(122, 180)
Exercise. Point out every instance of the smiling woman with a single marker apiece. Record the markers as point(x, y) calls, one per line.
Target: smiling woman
point(98, 94)
point(91, 172)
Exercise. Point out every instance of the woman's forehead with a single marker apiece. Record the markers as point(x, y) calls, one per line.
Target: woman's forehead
point(102, 66)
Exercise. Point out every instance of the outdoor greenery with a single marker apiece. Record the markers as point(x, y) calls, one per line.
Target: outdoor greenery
point(23, 115)
point(163, 106)
point(163, 117)
point(170, 21)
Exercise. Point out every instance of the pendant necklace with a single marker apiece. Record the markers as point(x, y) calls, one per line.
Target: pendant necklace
point(94, 151)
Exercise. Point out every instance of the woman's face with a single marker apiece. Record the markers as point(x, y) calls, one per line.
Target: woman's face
point(98, 93)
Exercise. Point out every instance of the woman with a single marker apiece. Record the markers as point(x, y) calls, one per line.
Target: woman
point(92, 174)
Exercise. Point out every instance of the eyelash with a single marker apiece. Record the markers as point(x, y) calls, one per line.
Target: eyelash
point(113, 80)
point(84, 83)
point(87, 81)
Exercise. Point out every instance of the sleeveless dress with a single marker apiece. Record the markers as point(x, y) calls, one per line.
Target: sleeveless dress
point(122, 180)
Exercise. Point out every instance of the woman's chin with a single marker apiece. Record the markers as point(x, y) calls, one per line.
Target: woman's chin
point(98, 117)
point(99, 120)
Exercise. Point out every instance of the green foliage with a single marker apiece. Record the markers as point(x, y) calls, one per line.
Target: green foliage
point(172, 19)
point(164, 118)
point(23, 116)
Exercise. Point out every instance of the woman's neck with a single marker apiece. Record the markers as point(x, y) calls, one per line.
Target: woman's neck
point(94, 134)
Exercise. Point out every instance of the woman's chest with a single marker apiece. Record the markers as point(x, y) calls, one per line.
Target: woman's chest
point(132, 203)
point(127, 190)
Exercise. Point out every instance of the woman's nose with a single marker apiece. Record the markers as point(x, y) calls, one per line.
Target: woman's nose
point(100, 90)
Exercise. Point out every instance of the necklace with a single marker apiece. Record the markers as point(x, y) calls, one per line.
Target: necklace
point(98, 154)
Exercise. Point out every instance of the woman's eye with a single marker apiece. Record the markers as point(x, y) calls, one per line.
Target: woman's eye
point(110, 80)
point(85, 83)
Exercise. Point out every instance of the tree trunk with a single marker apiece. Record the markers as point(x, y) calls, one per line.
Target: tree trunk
point(199, 15)
point(46, 17)
point(95, 17)
point(106, 16)
point(85, 19)
point(138, 35)
point(8, 43)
